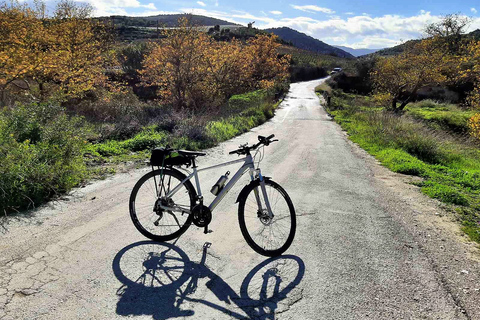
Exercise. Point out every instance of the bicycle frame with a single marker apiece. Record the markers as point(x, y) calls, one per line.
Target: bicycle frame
point(248, 164)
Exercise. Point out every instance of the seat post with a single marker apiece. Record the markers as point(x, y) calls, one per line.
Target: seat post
point(194, 165)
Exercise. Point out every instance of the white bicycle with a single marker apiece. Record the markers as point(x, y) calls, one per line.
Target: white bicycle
point(164, 203)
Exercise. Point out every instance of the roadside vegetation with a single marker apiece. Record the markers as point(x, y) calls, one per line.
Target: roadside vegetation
point(75, 102)
point(422, 146)
point(418, 113)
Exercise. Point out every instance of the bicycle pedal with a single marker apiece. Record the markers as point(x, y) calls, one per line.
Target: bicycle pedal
point(207, 231)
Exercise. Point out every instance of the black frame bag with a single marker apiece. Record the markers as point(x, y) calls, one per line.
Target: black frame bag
point(162, 157)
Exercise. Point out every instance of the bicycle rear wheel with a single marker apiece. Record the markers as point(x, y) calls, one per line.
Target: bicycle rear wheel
point(267, 236)
point(149, 194)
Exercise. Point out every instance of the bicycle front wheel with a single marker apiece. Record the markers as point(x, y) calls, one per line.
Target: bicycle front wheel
point(267, 236)
point(149, 198)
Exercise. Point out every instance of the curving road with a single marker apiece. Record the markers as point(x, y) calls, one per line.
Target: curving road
point(367, 244)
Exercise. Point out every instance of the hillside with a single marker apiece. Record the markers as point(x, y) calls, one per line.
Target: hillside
point(357, 52)
point(394, 50)
point(303, 41)
point(164, 20)
point(399, 49)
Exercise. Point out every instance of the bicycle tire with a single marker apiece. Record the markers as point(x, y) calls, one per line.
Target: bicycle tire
point(249, 219)
point(143, 217)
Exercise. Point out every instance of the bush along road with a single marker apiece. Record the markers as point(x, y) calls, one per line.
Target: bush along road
point(368, 244)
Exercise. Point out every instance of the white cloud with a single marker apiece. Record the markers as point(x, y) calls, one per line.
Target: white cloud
point(152, 13)
point(216, 3)
point(276, 12)
point(474, 25)
point(150, 6)
point(473, 10)
point(360, 31)
point(250, 17)
point(313, 8)
point(217, 14)
point(201, 3)
point(349, 13)
point(116, 7)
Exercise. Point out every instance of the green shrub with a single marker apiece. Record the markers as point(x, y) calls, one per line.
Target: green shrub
point(222, 130)
point(244, 101)
point(401, 162)
point(473, 231)
point(441, 115)
point(108, 148)
point(324, 89)
point(253, 108)
point(444, 193)
point(41, 154)
point(147, 139)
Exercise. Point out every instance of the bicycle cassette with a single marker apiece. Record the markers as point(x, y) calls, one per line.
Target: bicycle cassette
point(201, 215)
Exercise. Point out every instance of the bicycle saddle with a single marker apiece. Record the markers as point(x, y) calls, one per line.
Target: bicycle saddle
point(190, 153)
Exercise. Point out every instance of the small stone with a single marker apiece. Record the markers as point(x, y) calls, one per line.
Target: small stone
point(464, 271)
point(31, 260)
point(28, 292)
point(40, 254)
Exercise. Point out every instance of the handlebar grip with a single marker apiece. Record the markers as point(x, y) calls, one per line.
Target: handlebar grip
point(270, 136)
point(233, 152)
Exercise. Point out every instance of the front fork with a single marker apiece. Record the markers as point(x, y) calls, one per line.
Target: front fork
point(258, 174)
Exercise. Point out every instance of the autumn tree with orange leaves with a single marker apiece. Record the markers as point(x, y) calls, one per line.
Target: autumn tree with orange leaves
point(65, 55)
point(470, 70)
point(80, 51)
point(397, 79)
point(192, 71)
point(22, 45)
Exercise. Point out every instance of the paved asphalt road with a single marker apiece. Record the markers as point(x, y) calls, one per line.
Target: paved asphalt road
point(363, 248)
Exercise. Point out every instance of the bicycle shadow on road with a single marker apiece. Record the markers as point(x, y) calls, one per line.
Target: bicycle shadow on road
point(159, 279)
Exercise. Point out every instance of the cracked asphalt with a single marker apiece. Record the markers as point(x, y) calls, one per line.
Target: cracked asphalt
point(368, 244)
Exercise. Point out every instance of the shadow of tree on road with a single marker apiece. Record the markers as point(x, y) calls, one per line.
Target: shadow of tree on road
point(159, 279)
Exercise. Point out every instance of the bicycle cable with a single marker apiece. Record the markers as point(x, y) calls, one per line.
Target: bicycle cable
point(260, 150)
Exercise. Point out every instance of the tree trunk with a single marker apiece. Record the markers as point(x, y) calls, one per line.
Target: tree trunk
point(404, 104)
point(41, 87)
point(394, 104)
point(406, 101)
point(2, 96)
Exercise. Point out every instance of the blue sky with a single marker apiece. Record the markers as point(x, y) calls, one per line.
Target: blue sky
point(358, 24)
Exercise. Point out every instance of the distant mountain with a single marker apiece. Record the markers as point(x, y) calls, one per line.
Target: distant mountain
point(357, 52)
point(165, 20)
point(303, 41)
point(396, 49)
point(474, 34)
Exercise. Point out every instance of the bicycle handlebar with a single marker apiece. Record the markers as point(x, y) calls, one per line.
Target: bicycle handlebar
point(262, 140)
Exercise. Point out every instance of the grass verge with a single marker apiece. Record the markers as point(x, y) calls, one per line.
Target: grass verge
point(409, 144)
